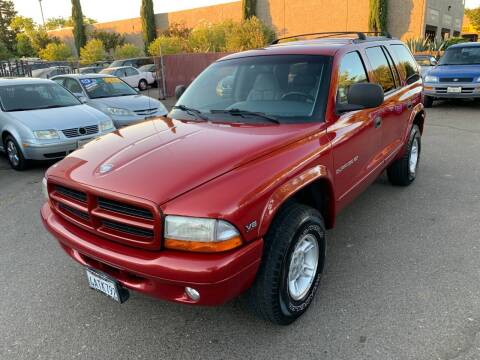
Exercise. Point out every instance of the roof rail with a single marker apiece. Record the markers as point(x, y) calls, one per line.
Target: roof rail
point(361, 35)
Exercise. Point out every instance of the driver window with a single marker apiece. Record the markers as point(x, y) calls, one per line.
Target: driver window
point(73, 86)
point(352, 71)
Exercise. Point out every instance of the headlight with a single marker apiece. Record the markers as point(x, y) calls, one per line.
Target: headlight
point(45, 188)
point(119, 111)
point(106, 125)
point(478, 79)
point(46, 134)
point(431, 79)
point(200, 235)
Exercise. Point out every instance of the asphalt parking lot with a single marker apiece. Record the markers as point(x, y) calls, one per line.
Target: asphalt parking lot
point(402, 278)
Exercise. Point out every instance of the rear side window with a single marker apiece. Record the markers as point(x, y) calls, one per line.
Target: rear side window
point(381, 68)
point(131, 72)
point(407, 66)
point(351, 72)
point(73, 86)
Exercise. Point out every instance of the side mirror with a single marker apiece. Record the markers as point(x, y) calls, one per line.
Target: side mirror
point(363, 96)
point(179, 90)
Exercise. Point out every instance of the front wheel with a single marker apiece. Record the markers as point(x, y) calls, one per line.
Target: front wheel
point(404, 170)
point(143, 85)
point(14, 154)
point(428, 101)
point(292, 266)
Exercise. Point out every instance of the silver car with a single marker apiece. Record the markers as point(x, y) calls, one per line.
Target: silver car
point(40, 120)
point(114, 97)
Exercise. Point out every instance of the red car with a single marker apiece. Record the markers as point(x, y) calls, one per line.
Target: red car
point(234, 190)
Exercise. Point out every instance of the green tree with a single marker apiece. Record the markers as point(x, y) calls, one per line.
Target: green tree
point(474, 17)
point(93, 51)
point(4, 53)
point(168, 45)
point(249, 8)
point(249, 34)
point(207, 37)
point(110, 40)
point(78, 25)
point(59, 22)
point(377, 20)
point(24, 46)
point(7, 34)
point(148, 22)
point(55, 52)
point(128, 51)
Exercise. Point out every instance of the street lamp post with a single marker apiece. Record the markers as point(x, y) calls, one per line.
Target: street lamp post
point(41, 10)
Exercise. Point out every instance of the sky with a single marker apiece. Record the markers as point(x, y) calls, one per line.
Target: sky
point(109, 10)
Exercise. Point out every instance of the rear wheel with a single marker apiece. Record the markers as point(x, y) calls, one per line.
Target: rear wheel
point(14, 154)
point(428, 101)
point(291, 269)
point(143, 85)
point(404, 170)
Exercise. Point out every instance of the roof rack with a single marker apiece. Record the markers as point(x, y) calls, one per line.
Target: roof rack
point(361, 35)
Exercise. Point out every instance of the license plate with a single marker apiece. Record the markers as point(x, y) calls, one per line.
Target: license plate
point(80, 143)
point(104, 284)
point(455, 90)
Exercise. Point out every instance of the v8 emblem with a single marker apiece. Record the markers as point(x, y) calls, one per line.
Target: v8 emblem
point(251, 226)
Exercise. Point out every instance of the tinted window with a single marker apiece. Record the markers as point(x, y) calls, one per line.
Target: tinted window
point(102, 87)
point(351, 72)
point(131, 72)
point(73, 86)
point(60, 81)
point(406, 64)
point(381, 69)
point(461, 56)
point(35, 96)
point(286, 87)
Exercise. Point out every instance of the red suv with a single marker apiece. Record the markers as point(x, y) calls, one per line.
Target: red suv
point(233, 191)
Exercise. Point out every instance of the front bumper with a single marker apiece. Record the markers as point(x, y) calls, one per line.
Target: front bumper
point(55, 149)
point(162, 274)
point(440, 90)
point(122, 121)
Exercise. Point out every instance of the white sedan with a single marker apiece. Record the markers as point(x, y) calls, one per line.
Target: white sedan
point(133, 77)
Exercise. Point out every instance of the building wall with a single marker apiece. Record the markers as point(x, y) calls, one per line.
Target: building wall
point(445, 14)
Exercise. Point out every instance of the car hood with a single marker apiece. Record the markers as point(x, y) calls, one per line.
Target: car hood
point(160, 159)
point(59, 118)
point(131, 102)
point(455, 71)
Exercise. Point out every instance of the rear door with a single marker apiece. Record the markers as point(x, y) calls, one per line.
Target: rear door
point(357, 138)
point(132, 76)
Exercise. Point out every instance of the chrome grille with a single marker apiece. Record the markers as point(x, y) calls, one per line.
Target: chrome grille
point(81, 131)
point(146, 111)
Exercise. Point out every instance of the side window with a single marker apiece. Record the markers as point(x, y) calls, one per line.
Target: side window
point(73, 86)
point(60, 81)
point(120, 73)
point(131, 72)
point(351, 71)
point(407, 66)
point(381, 68)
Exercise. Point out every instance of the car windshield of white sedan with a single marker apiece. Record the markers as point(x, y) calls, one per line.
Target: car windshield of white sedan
point(468, 55)
point(103, 87)
point(275, 88)
point(24, 97)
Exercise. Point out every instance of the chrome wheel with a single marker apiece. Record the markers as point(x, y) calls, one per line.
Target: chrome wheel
point(414, 153)
point(12, 153)
point(303, 266)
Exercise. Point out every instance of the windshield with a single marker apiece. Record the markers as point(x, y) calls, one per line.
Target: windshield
point(461, 56)
point(35, 96)
point(284, 87)
point(102, 87)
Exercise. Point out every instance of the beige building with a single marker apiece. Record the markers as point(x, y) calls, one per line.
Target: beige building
point(406, 18)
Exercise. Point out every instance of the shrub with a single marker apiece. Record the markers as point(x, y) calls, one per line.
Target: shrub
point(127, 51)
point(168, 45)
point(55, 52)
point(453, 41)
point(4, 53)
point(177, 29)
point(93, 51)
point(111, 40)
point(24, 46)
point(249, 34)
point(209, 37)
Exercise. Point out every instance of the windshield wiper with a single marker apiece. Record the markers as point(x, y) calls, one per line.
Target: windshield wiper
point(191, 111)
point(243, 113)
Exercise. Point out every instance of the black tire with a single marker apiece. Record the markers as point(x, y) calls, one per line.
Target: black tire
point(428, 101)
point(270, 297)
point(400, 172)
point(19, 162)
point(143, 85)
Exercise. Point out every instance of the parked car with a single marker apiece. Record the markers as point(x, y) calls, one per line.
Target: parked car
point(233, 191)
point(90, 69)
point(131, 76)
point(426, 62)
point(151, 68)
point(40, 120)
point(109, 94)
point(457, 75)
point(50, 72)
point(135, 62)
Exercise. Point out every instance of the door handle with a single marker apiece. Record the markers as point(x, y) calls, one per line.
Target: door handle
point(377, 122)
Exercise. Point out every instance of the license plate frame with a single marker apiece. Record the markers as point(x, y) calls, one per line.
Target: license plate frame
point(106, 285)
point(454, 89)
